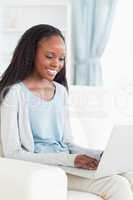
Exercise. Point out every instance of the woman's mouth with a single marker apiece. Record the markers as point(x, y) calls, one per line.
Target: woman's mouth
point(52, 72)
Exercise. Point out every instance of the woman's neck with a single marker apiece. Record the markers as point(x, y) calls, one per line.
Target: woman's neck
point(38, 83)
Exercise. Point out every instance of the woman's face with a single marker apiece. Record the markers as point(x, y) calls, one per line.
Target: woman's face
point(50, 57)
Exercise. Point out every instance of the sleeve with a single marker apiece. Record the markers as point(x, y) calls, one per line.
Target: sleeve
point(11, 142)
point(68, 139)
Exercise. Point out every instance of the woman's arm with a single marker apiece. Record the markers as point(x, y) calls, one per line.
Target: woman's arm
point(11, 141)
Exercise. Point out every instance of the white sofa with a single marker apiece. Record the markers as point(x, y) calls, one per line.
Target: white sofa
point(21, 180)
point(90, 118)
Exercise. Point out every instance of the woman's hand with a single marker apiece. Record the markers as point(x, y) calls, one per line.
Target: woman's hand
point(86, 162)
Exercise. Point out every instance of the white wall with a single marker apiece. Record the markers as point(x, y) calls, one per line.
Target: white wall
point(16, 17)
point(7, 2)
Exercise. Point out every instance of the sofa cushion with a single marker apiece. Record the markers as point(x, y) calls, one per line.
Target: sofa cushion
point(77, 195)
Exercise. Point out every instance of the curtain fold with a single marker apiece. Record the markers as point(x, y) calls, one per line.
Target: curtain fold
point(91, 27)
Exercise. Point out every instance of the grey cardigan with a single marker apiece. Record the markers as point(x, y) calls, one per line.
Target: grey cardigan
point(16, 135)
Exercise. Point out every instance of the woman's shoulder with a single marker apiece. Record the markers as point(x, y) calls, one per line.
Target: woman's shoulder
point(13, 92)
point(63, 92)
point(60, 87)
point(14, 88)
point(11, 97)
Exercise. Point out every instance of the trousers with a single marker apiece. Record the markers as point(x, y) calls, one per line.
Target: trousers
point(115, 187)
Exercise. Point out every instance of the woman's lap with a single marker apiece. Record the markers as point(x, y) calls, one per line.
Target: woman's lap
point(114, 187)
point(129, 177)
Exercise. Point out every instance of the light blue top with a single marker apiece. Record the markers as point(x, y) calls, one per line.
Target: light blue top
point(33, 127)
point(45, 122)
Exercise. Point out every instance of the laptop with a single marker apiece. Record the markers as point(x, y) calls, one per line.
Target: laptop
point(117, 157)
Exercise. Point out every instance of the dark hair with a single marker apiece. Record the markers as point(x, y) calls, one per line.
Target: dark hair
point(22, 62)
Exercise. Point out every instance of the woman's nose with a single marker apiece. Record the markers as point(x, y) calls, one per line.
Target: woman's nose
point(55, 63)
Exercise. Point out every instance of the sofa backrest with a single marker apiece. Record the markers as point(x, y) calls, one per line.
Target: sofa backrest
point(95, 110)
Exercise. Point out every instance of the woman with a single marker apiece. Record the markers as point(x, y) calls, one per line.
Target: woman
point(34, 113)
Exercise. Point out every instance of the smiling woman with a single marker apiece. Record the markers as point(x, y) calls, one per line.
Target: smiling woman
point(39, 56)
point(49, 61)
point(38, 129)
point(38, 67)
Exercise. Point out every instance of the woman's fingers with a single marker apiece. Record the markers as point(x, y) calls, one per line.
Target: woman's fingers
point(92, 162)
point(86, 162)
point(92, 165)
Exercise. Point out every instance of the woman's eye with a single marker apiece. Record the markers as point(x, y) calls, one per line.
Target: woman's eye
point(62, 59)
point(50, 57)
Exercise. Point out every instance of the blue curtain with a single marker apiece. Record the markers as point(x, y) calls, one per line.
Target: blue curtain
point(91, 26)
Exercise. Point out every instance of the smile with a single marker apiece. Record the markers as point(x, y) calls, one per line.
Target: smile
point(52, 72)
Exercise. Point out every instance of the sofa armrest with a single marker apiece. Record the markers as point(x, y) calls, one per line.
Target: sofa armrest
point(31, 181)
